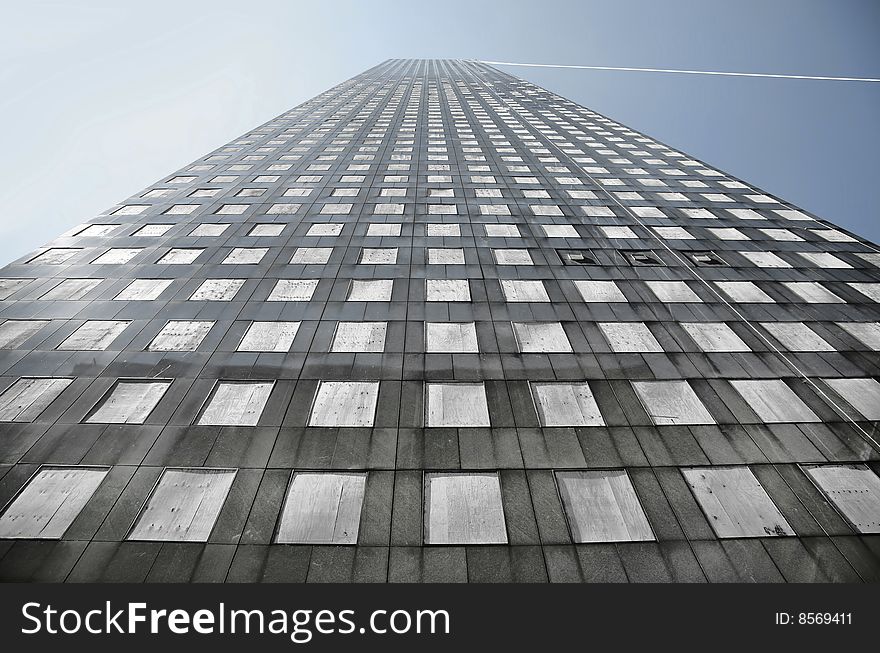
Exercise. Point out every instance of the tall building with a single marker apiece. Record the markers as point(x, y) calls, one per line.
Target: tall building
point(440, 324)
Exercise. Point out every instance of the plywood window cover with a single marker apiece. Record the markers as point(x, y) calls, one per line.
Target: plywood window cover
point(322, 508)
point(473, 514)
point(602, 506)
point(236, 403)
point(854, 490)
point(456, 405)
point(344, 404)
point(560, 404)
point(151, 394)
point(187, 522)
point(45, 514)
point(676, 402)
point(28, 397)
point(735, 503)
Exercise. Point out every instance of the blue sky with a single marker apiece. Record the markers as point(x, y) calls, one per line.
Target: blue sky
point(101, 98)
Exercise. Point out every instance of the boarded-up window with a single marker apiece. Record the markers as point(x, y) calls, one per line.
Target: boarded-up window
point(630, 337)
point(812, 292)
point(672, 402)
point(735, 503)
point(744, 291)
point(464, 508)
point(714, 336)
point(599, 291)
point(345, 403)
point(71, 289)
point(448, 290)
point(49, 503)
point(854, 489)
point(236, 403)
point(773, 401)
point(118, 256)
point(311, 255)
point(26, 399)
point(541, 337)
point(180, 256)
point(673, 291)
point(796, 336)
point(269, 336)
point(862, 394)
point(9, 287)
point(324, 230)
point(456, 405)
point(130, 402)
point(55, 256)
point(516, 290)
point(180, 335)
point(359, 337)
point(451, 337)
point(866, 332)
point(184, 505)
point(293, 290)
point(209, 230)
point(245, 256)
point(15, 332)
point(602, 506)
point(267, 230)
point(322, 508)
point(512, 257)
point(217, 290)
point(94, 335)
point(143, 290)
point(376, 290)
point(379, 256)
point(445, 256)
point(566, 404)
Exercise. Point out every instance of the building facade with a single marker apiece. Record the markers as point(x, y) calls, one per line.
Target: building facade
point(440, 324)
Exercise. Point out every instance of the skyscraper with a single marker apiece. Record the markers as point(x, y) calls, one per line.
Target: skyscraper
point(440, 324)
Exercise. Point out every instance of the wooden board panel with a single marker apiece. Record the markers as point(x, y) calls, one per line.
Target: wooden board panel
point(180, 256)
point(94, 335)
point(626, 337)
point(796, 336)
point(517, 290)
point(217, 290)
point(293, 290)
point(181, 335)
point(245, 255)
point(116, 256)
point(14, 332)
point(373, 290)
point(236, 404)
point(71, 289)
point(184, 505)
point(854, 489)
point(773, 401)
point(448, 290)
point(866, 332)
point(9, 287)
point(599, 291)
point(143, 290)
point(322, 508)
point(379, 255)
point(269, 336)
point(714, 336)
point(602, 506)
point(862, 394)
point(445, 256)
point(451, 337)
point(359, 336)
point(311, 255)
point(735, 503)
point(25, 399)
point(464, 508)
point(672, 402)
point(345, 403)
point(672, 291)
point(566, 404)
point(130, 402)
point(541, 337)
point(456, 405)
point(50, 502)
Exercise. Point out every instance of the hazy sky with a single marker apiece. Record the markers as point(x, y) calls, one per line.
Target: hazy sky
point(103, 98)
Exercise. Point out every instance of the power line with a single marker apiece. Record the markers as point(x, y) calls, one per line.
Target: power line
point(683, 72)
